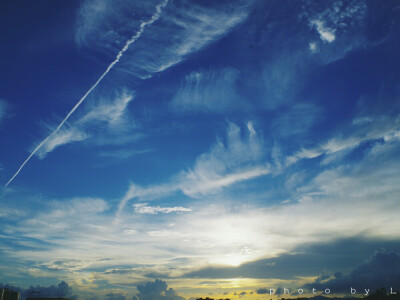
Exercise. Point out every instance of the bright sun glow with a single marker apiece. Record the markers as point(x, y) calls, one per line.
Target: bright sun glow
point(233, 259)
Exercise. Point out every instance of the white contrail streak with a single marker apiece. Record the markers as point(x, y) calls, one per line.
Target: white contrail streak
point(133, 39)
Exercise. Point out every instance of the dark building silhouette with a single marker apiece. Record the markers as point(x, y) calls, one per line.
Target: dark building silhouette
point(6, 294)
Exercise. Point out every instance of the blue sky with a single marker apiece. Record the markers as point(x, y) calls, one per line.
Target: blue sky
point(222, 147)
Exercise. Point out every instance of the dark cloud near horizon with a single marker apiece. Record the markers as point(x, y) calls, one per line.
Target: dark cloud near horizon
point(381, 270)
point(310, 260)
point(156, 290)
point(262, 291)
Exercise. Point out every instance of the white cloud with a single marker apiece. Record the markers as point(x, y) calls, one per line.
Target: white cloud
point(213, 91)
point(339, 199)
point(239, 159)
point(372, 130)
point(110, 112)
point(303, 153)
point(182, 29)
point(224, 164)
point(325, 33)
point(116, 60)
point(63, 137)
point(76, 207)
point(88, 20)
point(338, 144)
point(313, 47)
point(96, 21)
point(392, 136)
point(342, 22)
point(102, 117)
point(362, 120)
point(186, 29)
point(144, 208)
point(196, 183)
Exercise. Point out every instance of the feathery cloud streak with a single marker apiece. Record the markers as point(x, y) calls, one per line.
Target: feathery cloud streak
point(239, 159)
point(108, 115)
point(143, 25)
point(376, 129)
point(340, 190)
point(209, 91)
point(183, 30)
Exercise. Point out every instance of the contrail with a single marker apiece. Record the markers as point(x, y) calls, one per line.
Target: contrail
point(133, 39)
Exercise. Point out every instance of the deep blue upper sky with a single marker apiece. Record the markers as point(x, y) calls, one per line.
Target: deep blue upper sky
point(275, 121)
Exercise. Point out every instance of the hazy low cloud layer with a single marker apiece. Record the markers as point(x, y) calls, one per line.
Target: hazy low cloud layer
point(382, 269)
point(308, 260)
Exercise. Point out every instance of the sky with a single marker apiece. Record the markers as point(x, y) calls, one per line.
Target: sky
point(175, 149)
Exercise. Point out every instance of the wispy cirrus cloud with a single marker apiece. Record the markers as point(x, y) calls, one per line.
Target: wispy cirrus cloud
point(238, 159)
point(339, 199)
point(338, 194)
point(109, 115)
point(197, 26)
point(95, 22)
point(132, 39)
point(184, 28)
point(208, 91)
point(221, 208)
point(65, 136)
point(372, 131)
point(112, 113)
point(312, 203)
